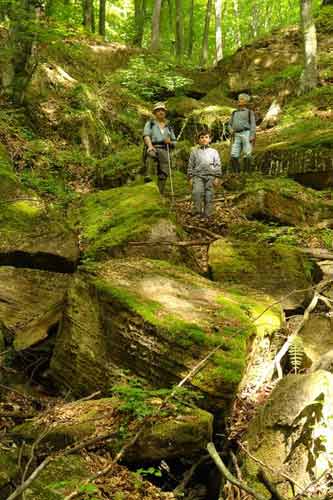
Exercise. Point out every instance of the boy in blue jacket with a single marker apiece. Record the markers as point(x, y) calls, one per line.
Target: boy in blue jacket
point(204, 172)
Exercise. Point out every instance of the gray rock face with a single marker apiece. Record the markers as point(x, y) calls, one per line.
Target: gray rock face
point(31, 301)
point(291, 433)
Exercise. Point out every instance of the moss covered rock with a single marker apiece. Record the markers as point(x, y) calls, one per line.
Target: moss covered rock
point(175, 433)
point(80, 356)
point(158, 321)
point(283, 201)
point(31, 304)
point(32, 233)
point(59, 478)
point(112, 219)
point(9, 468)
point(291, 433)
point(120, 167)
point(275, 269)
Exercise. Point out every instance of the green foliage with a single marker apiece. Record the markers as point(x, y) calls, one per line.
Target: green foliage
point(151, 471)
point(296, 352)
point(149, 76)
point(140, 401)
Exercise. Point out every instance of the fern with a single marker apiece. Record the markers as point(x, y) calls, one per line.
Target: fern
point(296, 353)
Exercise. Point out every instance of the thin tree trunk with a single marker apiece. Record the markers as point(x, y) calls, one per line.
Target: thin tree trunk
point(88, 14)
point(204, 50)
point(309, 78)
point(101, 19)
point(139, 19)
point(218, 31)
point(179, 30)
point(191, 30)
point(22, 40)
point(237, 28)
point(155, 32)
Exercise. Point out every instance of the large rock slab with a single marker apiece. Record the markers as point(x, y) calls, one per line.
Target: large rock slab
point(158, 321)
point(276, 269)
point(291, 433)
point(32, 233)
point(129, 221)
point(283, 201)
point(31, 302)
point(178, 433)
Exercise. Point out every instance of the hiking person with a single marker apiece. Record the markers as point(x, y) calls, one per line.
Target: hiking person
point(242, 126)
point(204, 171)
point(159, 139)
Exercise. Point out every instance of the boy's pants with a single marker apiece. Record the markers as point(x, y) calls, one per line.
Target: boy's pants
point(241, 143)
point(203, 194)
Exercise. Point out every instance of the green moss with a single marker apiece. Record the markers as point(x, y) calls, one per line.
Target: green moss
point(59, 478)
point(120, 166)
point(8, 466)
point(111, 218)
point(184, 333)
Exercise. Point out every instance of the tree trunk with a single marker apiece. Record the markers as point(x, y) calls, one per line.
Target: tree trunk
point(139, 19)
point(309, 78)
point(191, 30)
point(101, 19)
point(155, 32)
point(22, 39)
point(237, 28)
point(204, 50)
point(88, 14)
point(179, 30)
point(218, 31)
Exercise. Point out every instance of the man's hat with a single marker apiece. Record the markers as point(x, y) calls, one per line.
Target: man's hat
point(246, 97)
point(159, 105)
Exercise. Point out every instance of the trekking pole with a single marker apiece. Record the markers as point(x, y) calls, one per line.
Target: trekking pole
point(170, 175)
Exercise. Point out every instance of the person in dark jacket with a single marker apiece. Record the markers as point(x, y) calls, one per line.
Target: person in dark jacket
point(242, 126)
point(204, 171)
point(159, 139)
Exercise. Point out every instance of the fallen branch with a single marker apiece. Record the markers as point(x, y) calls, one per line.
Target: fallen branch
point(179, 490)
point(203, 230)
point(317, 253)
point(227, 474)
point(68, 451)
point(316, 297)
point(190, 243)
point(265, 466)
point(262, 476)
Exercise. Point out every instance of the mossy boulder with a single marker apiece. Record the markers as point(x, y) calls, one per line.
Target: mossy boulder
point(31, 304)
point(80, 357)
point(317, 337)
point(60, 477)
point(276, 269)
point(159, 320)
point(283, 201)
point(291, 433)
point(120, 167)
point(9, 469)
point(176, 433)
point(208, 116)
point(9, 181)
point(129, 221)
point(33, 233)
